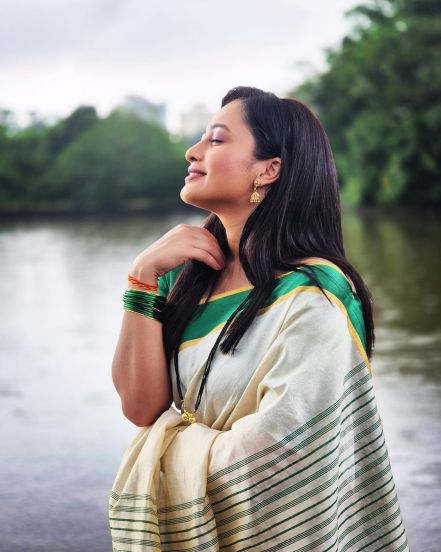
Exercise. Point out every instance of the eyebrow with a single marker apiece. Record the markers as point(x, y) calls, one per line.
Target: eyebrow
point(220, 125)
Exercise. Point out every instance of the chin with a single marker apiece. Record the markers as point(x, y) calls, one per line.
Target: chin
point(193, 196)
point(191, 199)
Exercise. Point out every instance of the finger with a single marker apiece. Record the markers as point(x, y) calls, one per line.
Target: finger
point(212, 238)
point(212, 248)
point(201, 254)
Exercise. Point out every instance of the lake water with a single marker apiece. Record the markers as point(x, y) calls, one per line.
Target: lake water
point(63, 433)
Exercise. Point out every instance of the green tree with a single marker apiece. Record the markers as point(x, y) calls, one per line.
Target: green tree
point(379, 103)
point(118, 160)
point(67, 130)
point(23, 159)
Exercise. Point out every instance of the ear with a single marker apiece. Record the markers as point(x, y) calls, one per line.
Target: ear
point(271, 171)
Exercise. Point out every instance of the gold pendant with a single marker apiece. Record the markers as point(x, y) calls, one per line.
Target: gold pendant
point(187, 416)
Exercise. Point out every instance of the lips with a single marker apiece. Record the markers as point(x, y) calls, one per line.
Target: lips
point(195, 171)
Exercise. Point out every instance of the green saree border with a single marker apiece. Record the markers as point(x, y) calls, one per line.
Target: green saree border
point(212, 315)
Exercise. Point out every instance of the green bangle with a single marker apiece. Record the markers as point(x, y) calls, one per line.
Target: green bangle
point(144, 302)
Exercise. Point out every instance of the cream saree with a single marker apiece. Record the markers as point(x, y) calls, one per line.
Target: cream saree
point(288, 450)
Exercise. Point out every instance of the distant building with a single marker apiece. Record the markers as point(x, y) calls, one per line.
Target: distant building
point(194, 121)
point(145, 110)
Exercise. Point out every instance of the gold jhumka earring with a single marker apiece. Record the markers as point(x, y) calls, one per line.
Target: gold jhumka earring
point(255, 196)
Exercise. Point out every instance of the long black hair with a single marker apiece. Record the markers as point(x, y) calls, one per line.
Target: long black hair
point(299, 217)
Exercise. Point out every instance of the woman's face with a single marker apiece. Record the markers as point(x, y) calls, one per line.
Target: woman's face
point(225, 155)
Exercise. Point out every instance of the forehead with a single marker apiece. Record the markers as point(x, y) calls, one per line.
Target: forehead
point(230, 116)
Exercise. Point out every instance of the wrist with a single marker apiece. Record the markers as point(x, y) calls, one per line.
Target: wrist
point(148, 275)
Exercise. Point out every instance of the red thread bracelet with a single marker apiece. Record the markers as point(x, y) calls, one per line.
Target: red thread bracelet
point(149, 287)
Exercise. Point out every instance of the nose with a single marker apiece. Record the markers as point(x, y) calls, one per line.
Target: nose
point(192, 153)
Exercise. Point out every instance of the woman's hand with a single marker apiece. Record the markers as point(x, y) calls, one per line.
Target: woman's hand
point(181, 243)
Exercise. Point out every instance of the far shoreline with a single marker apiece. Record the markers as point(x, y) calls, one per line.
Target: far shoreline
point(36, 212)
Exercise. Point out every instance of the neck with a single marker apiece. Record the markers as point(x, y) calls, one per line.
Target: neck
point(233, 232)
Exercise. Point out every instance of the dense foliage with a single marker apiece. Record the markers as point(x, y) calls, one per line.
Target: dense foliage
point(379, 101)
point(88, 164)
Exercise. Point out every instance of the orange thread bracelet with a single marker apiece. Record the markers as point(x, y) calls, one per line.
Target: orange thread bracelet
point(149, 287)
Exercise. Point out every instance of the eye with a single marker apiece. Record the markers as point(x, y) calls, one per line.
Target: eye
point(220, 141)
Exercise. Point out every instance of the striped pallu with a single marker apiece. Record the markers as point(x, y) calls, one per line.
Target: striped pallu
point(288, 452)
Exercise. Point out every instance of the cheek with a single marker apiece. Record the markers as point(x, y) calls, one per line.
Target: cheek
point(230, 163)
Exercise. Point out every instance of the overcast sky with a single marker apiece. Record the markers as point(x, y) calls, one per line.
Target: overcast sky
point(56, 55)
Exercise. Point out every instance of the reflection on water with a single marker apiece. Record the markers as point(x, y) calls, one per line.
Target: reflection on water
point(63, 433)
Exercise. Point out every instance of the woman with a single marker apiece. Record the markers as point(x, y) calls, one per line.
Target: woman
point(263, 344)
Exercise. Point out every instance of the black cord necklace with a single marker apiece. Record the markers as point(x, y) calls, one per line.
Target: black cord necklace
point(187, 416)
